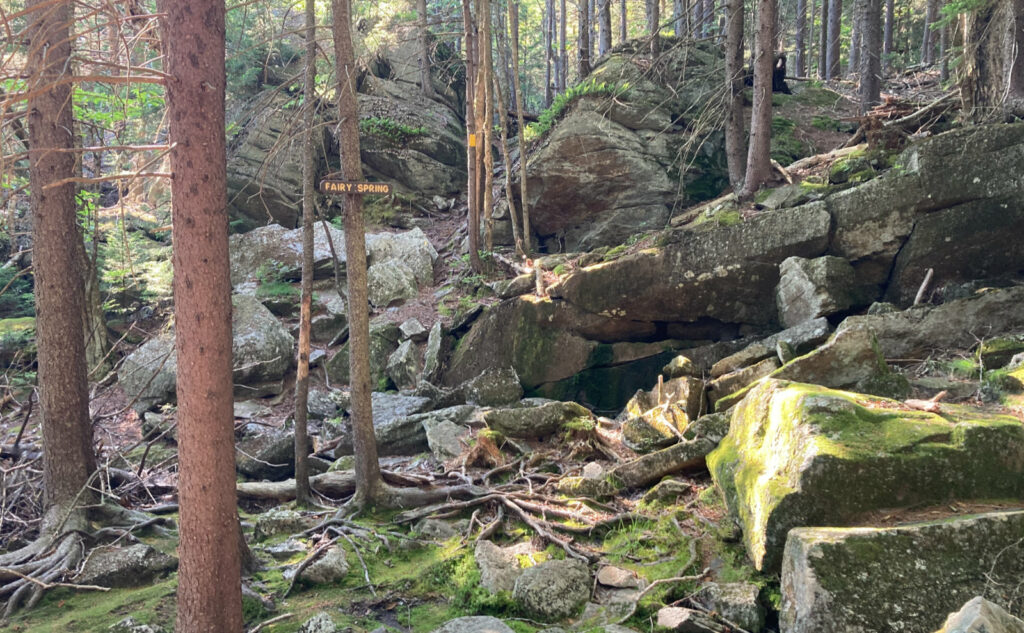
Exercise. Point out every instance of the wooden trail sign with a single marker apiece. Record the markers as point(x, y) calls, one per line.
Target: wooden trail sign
point(338, 187)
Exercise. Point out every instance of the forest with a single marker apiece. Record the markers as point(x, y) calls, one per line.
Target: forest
point(511, 316)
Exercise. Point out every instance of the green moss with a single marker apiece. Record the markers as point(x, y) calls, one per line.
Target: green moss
point(615, 252)
point(390, 129)
point(63, 610)
point(819, 97)
point(786, 148)
point(825, 123)
point(560, 269)
point(277, 290)
point(562, 102)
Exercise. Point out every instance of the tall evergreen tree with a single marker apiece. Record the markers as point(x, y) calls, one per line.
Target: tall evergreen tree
point(209, 573)
point(759, 151)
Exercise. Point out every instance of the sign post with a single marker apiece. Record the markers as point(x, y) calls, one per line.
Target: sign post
point(338, 187)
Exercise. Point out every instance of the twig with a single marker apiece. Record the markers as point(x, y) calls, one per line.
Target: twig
point(51, 585)
point(274, 620)
point(656, 583)
point(919, 297)
point(366, 570)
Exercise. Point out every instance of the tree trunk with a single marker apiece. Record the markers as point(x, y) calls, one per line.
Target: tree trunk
point(928, 36)
point(364, 443)
point(823, 42)
point(623, 21)
point(890, 14)
point(800, 60)
point(563, 55)
point(68, 456)
point(304, 496)
point(472, 143)
point(709, 17)
point(991, 76)
point(856, 26)
point(209, 572)
point(944, 53)
point(604, 22)
point(759, 153)
point(424, 43)
point(653, 19)
point(870, 59)
point(524, 208)
point(835, 16)
point(583, 28)
point(735, 147)
point(502, 113)
point(549, 52)
point(487, 121)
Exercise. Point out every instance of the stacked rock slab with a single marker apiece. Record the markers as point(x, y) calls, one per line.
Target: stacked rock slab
point(907, 578)
point(802, 455)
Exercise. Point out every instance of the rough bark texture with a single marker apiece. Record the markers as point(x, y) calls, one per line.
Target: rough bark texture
point(870, 58)
point(800, 59)
point(304, 496)
point(472, 145)
point(835, 15)
point(623, 17)
point(604, 23)
point(856, 27)
point(367, 466)
point(424, 42)
point(209, 576)
point(68, 458)
point(584, 40)
point(758, 155)
point(653, 19)
point(513, 10)
point(890, 16)
point(928, 39)
point(735, 148)
point(563, 56)
point(487, 121)
point(823, 42)
point(991, 76)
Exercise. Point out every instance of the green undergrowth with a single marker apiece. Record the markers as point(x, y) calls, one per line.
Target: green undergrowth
point(390, 129)
point(562, 102)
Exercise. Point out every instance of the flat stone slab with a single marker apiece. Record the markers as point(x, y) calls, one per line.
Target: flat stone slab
point(908, 578)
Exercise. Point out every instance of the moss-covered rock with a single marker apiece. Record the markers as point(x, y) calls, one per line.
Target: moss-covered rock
point(899, 579)
point(535, 422)
point(798, 454)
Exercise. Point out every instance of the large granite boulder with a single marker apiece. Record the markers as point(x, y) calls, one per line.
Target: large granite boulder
point(131, 566)
point(262, 351)
point(905, 578)
point(537, 421)
point(384, 337)
point(799, 454)
point(812, 288)
point(981, 616)
point(554, 589)
point(583, 178)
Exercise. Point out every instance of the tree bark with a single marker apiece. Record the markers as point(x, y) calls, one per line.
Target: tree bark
point(823, 42)
point(835, 15)
point(653, 22)
point(759, 152)
point(871, 61)
point(424, 43)
point(928, 36)
point(623, 20)
point(604, 22)
point(856, 26)
point(487, 121)
point(513, 10)
point(549, 52)
point(991, 76)
point(709, 17)
point(944, 53)
point(890, 15)
point(735, 147)
point(68, 456)
point(472, 143)
point(800, 60)
point(583, 28)
point(209, 572)
point(304, 495)
point(367, 466)
point(563, 55)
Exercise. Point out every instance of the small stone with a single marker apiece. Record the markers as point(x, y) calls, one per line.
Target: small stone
point(131, 625)
point(611, 576)
point(682, 620)
point(131, 566)
point(680, 367)
point(553, 590)
point(474, 624)
point(319, 623)
point(736, 602)
point(436, 529)
point(404, 365)
point(499, 567)
point(330, 567)
point(285, 550)
point(493, 388)
point(413, 329)
point(281, 521)
point(593, 470)
point(981, 616)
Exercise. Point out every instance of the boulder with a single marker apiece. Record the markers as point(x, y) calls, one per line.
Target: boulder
point(736, 602)
point(474, 624)
point(905, 578)
point(432, 357)
point(131, 566)
point(981, 616)
point(329, 568)
point(390, 283)
point(412, 249)
point(445, 430)
point(680, 367)
point(404, 365)
point(582, 177)
point(536, 421)
point(495, 387)
point(849, 360)
point(727, 273)
point(319, 623)
point(730, 383)
point(131, 625)
point(553, 590)
point(799, 454)
point(499, 566)
point(384, 337)
point(274, 253)
point(917, 332)
point(413, 329)
point(269, 456)
point(800, 338)
point(331, 320)
point(611, 576)
point(281, 520)
point(399, 431)
point(262, 351)
point(812, 288)
point(683, 620)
